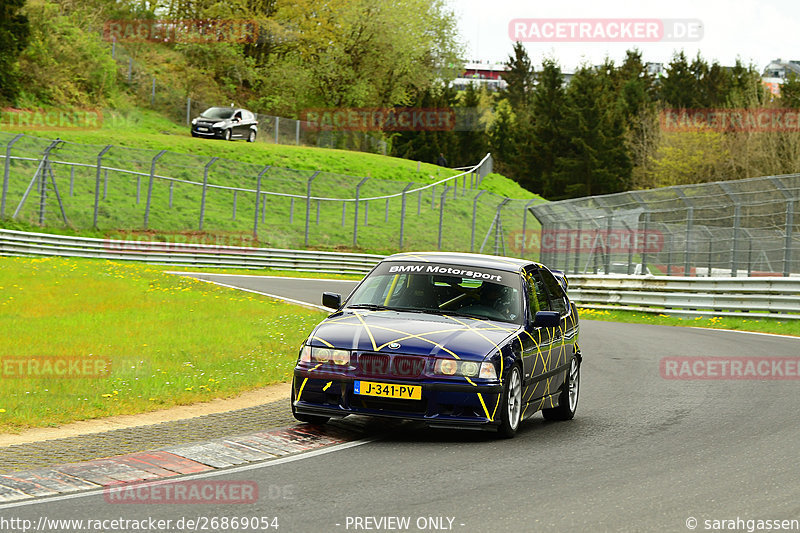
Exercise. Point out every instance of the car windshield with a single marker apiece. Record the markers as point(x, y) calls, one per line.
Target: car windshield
point(218, 112)
point(449, 290)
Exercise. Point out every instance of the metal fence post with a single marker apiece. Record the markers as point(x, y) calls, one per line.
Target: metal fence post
point(403, 212)
point(646, 233)
point(188, 111)
point(291, 210)
point(258, 199)
point(153, 93)
point(39, 169)
point(97, 184)
point(524, 223)
point(277, 121)
point(474, 218)
point(787, 244)
point(71, 180)
point(344, 211)
point(687, 263)
point(205, 189)
point(441, 216)
point(787, 248)
point(6, 173)
point(297, 133)
point(737, 216)
point(386, 214)
point(308, 203)
point(150, 187)
point(355, 221)
point(105, 183)
point(419, 201)
point(235, 194)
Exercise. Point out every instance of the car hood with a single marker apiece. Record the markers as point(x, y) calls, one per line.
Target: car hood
point(415, 333)
point(213, 120)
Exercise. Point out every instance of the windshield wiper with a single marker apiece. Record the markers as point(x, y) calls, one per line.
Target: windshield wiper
point(372, 307)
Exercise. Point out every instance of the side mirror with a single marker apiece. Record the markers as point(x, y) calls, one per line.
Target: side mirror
point(546, 319)
point(332, 300)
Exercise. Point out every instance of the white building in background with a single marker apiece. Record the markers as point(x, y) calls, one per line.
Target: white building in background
point(481, 74)
point(777, 71)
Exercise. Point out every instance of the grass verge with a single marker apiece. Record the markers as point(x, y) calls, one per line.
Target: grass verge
point(170, 340)
point(762, 325)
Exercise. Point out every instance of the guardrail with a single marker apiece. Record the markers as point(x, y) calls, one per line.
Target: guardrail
point(19, 243)
point(777, 297)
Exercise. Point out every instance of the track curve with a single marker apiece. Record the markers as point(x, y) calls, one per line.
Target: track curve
point(643, 454)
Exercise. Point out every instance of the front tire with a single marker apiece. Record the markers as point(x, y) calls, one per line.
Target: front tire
point(511, 408)
point(568, 399)
point(308, 419)
point(227, 135)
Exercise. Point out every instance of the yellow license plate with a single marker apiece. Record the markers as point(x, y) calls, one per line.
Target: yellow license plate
point(388, 390)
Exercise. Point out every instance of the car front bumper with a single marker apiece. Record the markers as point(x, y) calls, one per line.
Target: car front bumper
point(443, 404)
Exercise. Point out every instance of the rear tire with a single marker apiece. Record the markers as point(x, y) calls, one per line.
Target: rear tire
point(568, 399)
point(511, 406)
point(308, 419)
point(251, 138)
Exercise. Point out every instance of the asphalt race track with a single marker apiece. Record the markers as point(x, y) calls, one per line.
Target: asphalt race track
point(644, 453)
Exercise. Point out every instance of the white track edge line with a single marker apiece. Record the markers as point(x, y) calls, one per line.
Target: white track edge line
point(201, 475)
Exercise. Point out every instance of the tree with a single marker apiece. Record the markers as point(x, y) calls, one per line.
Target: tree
point(746, 87)
point(519, 77)
point(790, 91)
point(549, 144)
point(679, 86)
point(634, 83)
point(597, 161)
point(14, 32)
point(500, 136)
point(472, 142)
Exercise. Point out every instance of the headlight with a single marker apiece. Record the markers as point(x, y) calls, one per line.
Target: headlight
point(318, 354)
point(469, 369)
point(194, 121)
point(448, 367)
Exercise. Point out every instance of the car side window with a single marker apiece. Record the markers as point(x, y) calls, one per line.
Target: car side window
point(536, 293)
point(558, 299)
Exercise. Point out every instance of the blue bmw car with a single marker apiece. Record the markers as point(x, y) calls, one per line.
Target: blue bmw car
point(453, 340)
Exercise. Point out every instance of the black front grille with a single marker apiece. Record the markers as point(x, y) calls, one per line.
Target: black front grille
point(391, 365)
point(391, 404)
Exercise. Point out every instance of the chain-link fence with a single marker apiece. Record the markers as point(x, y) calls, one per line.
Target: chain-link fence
point(160, 95)
point(731, 228)
point(111, 188)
